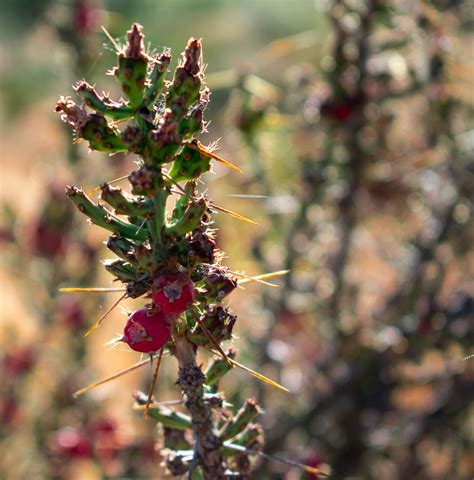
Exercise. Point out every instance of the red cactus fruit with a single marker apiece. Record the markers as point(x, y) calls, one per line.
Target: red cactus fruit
point(146, 332)
point(173, 292)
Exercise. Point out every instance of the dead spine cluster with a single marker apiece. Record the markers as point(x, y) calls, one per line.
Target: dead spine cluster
point(172, 259)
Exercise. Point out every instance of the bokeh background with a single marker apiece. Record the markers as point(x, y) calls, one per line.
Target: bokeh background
point(352, 121)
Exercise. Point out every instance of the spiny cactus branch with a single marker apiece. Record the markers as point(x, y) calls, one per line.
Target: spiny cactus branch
point(170, 258)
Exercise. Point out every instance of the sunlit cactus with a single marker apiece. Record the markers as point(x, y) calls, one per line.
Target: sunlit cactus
point(170, 258)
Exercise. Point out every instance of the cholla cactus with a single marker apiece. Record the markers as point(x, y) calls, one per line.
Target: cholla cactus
point(171, 259)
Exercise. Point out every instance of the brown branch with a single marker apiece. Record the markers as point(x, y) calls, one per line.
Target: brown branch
point(191, 380)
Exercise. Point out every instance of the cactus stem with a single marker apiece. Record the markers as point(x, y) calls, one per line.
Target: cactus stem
point(157, 223)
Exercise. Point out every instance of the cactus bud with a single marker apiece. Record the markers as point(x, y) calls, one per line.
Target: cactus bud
point(218, 282)
point(199, 248)
point(126, 204)
point(164, 141)
point(124, 271)
point(190, 220)
point(132, 67)
point(122, 247)
point(102, 105)
point(102, 135)
point(241, 420)
point(189, 165)
point(184, 90)
point(147, 180)
point(76, 117)
point(218, 321)
point(157, 78)
point(218, 367)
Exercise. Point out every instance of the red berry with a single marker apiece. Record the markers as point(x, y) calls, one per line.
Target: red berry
point(146, 333)
point(173, 292)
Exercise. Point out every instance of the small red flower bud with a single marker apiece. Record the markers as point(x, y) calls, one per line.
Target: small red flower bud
point(146, 332)
point(173, 292)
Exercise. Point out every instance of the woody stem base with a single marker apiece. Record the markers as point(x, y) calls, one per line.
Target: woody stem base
point(191, 380)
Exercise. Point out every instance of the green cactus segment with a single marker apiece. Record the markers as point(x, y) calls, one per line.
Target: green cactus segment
point(193, 122)
point(163, 142)
point(249, 438)
point(122, 270)
point(190, 220)
point(126, 204)
point(218, 283)
point(158, 153)
point(102, 136)
point(184, 89)
point(218, 321)
point(157, 79)
point(144, 256)
point(103, 218)
point(102, 105)
point(179, 209)
point(131, 74)
point(170, 419)
point(189, 165)
point(132, 67)
point(239, 422)
point(250, 435)
point(183, 92)
point(137, 288)
point(217, 368)
point(122, 247)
